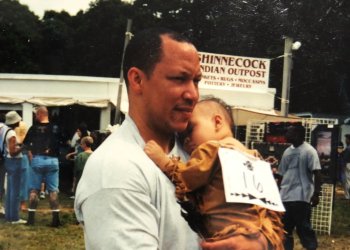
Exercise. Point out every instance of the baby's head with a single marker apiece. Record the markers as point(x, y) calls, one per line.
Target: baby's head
point(211, 120)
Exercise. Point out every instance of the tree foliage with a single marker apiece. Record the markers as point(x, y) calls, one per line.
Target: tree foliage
point(91, 43)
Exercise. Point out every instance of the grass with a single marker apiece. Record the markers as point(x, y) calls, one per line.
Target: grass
point(40, 236)
point(70, 235)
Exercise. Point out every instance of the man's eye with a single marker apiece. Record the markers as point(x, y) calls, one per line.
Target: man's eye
point(180, 78)
point(196, 81)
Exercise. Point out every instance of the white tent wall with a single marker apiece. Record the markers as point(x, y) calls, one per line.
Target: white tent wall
point(24, 91)
point(258, 100)
point(262, 100)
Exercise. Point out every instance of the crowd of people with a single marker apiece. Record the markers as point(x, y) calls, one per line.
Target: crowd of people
point(131, 195)
point(30, 163)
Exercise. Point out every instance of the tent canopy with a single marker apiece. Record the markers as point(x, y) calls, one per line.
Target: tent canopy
point(56, 90)
point(241, 116)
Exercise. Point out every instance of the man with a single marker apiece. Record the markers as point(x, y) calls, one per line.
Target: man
point(13, 166)
point(123, 199)
point(43, 149)
point(300, 187)
point(346, 168)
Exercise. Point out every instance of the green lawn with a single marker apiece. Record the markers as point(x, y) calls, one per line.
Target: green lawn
point(70, 235)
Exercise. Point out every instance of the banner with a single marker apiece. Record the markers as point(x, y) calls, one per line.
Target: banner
point(226, 72)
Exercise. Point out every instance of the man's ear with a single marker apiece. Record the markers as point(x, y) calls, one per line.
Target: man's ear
point(218, 120)
point(135, 76)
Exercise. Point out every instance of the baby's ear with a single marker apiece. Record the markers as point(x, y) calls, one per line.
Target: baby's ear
point(218, 120)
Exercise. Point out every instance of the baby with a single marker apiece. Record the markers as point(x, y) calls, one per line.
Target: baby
point(199, 184)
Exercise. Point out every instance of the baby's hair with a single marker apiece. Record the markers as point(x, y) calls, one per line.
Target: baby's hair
point(223, 106)
point(88, 141)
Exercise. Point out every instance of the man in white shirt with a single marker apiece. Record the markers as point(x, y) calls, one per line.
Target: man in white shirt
point(123, 199)
point(300, 187)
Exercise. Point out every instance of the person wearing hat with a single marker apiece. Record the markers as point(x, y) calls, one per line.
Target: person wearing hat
point(3, 129)
point(346, 158)
point(13, 166)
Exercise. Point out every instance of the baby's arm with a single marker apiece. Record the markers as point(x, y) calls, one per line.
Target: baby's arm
point(157, 155)
point(233, 143)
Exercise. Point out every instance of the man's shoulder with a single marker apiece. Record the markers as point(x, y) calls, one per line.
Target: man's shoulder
point(308, 148)
point(119, 155)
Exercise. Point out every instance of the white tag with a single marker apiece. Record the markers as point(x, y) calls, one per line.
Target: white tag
point(249, 180)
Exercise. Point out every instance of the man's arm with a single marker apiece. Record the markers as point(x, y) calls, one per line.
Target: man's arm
point(317, 190)
point(120, 219)
point(14, 149)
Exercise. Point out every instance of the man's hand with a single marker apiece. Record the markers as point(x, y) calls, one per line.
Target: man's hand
point(315, 199)
point(238, 242)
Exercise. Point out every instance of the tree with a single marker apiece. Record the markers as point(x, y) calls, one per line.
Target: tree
point(322, 63)
point(20, 38)
point(98, 39)
point(57, 42)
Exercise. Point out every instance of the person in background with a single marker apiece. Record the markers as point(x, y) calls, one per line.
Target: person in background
point(346, 169)
point(80, 161)
point(81, 132)
point(13, 165)
point(21, 132)
point(75, 144)
point(300, 187)
point(123, 200)
point(43, 149)
point(3, 129)
point(199, 182)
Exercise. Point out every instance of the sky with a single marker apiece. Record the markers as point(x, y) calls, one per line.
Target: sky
point(71, 6)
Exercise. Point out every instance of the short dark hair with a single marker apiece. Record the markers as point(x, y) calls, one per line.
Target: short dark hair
point(299, 130)
point(347, 136)
point(144, 50)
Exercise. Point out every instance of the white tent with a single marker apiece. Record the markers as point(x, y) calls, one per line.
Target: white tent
point(241, 116)
point(28, 90)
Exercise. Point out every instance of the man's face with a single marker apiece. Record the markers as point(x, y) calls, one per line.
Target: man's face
point(38, 115)
point(171, 91)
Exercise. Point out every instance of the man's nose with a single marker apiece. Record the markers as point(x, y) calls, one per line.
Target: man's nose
point(191, 92)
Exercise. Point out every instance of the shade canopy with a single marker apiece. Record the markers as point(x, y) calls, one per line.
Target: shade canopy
point(241, 116)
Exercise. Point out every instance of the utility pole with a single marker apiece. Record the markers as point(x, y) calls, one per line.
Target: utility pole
point(128, 35)
point(287, 68)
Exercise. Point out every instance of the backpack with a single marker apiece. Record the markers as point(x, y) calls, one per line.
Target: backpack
point(2, 149)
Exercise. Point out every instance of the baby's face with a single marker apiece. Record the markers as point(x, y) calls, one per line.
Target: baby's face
point(201, 128)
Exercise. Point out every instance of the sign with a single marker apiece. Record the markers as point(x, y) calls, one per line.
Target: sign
point(249, 180)
point(227, 72)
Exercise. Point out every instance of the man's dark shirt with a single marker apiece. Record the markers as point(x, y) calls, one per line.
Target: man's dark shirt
point(41, 140)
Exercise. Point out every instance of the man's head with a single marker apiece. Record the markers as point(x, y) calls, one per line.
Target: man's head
point(86, 142)
point(295, 134)
point(145, 50)
point(211, 120)
point(41, 114)
point(163, 71)
point(12, 119)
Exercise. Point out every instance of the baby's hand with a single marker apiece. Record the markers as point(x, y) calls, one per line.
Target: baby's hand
point(156, 153)
point(152, 149)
